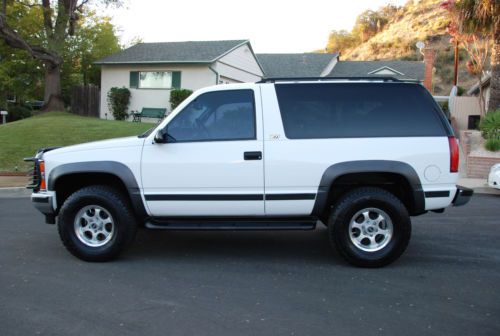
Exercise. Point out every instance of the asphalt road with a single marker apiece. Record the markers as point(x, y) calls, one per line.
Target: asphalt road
point(253, 283)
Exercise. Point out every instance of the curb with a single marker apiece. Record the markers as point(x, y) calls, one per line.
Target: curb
point(14, 192)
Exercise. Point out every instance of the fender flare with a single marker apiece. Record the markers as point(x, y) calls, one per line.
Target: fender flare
point(115, 168)
point(369, 166)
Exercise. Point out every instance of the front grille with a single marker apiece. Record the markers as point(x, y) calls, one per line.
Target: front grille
point(34, 175)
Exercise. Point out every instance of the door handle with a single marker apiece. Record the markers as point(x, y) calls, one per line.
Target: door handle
point(252, 155)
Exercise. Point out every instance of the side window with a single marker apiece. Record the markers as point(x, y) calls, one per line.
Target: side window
point(347, 110)
point(215, 116)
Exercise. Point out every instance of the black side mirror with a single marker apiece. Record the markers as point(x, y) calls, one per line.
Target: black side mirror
point(160, 136)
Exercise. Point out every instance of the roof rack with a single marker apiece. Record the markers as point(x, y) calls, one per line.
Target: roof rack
point(321, 79)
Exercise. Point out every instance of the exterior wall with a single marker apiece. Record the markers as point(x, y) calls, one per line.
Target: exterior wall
point(240, 65)
point(193, 77)
point(461, 108)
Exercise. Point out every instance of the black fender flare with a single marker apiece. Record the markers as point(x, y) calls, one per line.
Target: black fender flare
point(115, 168)
point(369, 166)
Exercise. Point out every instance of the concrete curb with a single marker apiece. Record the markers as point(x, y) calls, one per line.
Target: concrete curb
point(14, 192)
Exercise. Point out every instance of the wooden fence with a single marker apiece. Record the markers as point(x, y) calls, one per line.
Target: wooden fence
point(85, 100)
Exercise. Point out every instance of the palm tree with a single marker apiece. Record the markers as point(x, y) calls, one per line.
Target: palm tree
point(485, 15)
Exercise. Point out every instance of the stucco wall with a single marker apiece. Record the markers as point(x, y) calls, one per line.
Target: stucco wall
point(193, 77)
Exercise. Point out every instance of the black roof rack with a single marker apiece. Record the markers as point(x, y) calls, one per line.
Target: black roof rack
point(320, 79)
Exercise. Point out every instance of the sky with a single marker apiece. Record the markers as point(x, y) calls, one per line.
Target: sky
point(272, 26)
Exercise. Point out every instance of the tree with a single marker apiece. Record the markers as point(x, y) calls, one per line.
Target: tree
point(59, 20)
point(473, 35)
point(340, 40)
point(484, 15)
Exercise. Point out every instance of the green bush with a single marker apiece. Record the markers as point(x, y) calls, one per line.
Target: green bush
point(492, 145)
point(18, 112)
point(177, 96)
point(118, 101)
point(490, 129)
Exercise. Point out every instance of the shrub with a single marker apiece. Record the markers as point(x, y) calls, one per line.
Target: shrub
point(490, 129)
point(177, 96)
point(18, 112)
point(492, 145)
point(118, 101)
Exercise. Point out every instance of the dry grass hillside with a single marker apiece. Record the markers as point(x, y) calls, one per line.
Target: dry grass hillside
point(417, 20)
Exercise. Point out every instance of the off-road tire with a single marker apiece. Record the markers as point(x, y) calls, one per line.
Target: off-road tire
point(109, 199)
point(362, 198)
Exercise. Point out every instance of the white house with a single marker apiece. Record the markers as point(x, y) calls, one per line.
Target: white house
point(151, 70)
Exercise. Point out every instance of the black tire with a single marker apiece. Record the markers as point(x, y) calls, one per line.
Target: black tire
point(357, 201)
point(124, 224)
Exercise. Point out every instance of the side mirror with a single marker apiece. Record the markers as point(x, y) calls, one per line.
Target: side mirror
point(160, 136)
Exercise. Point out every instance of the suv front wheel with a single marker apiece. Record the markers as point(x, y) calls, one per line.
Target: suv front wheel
point(369, 227)
point(96, 223)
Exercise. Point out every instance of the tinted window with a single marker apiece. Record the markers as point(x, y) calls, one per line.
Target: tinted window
point(220, 115)
point(337, 110)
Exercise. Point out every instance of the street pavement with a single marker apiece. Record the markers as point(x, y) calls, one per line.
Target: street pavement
point(253, 283)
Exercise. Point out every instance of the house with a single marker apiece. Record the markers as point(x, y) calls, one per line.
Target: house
point(297, 65)
point(485, 86)
point(151, 70)
point(413, 70)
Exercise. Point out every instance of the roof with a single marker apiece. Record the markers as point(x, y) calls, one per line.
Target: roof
point(295, 65)
point(401, 69)
point(485, 82)
point(173, 52)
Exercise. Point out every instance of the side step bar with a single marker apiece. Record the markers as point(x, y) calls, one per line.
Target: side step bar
point(233, 224)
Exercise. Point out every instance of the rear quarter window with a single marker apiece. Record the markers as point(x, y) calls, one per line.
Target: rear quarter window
point(349, 110)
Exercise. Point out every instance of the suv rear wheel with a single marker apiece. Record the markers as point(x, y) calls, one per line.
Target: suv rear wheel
point(369, 227)
point(96, 223)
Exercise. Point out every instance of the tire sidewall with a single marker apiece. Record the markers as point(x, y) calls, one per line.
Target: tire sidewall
point(68, 234)
point(399, 239)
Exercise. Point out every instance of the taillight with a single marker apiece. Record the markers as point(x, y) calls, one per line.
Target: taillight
point(454, 155)
point(41, 167)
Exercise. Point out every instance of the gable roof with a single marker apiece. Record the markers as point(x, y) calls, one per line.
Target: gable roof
point(174, 52)
point(402, 69)
point(294, 65)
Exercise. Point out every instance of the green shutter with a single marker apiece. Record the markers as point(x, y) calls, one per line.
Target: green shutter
point(176, 79)
point(134, 79)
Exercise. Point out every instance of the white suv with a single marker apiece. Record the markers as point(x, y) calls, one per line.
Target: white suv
point(361, 156)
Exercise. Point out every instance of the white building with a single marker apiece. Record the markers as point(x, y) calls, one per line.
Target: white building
point(151, 70)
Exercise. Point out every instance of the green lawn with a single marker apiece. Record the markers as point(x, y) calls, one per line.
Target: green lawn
point(22, 138)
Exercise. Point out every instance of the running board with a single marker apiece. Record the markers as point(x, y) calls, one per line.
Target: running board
point(233, 224)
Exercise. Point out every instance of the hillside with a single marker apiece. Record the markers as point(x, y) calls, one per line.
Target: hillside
point(417, 20)
point(22, 138)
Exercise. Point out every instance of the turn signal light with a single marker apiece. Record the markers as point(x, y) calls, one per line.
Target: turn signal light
point(41, 166)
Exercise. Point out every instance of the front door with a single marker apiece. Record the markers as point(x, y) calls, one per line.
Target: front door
point(212, 161)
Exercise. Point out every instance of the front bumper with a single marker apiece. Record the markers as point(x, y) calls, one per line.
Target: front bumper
point(462, 196)
point(45, 204)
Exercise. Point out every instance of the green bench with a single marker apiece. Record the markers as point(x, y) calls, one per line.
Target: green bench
point(149, 112)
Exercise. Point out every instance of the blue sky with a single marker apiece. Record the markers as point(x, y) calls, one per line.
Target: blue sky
point(271, 25)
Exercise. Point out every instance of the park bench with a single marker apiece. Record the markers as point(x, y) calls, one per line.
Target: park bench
point(149, 112)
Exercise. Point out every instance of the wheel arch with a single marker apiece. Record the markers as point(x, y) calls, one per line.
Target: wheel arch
point(369, 172)
point(67, 178)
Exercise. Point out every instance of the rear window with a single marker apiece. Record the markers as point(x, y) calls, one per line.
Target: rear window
point(349, 110)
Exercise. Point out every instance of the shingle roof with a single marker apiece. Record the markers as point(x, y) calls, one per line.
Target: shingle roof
point(408, 69)
point(294, 65)
point(173, 52)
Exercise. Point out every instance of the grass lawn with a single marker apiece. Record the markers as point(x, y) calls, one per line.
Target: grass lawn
point(22, 138)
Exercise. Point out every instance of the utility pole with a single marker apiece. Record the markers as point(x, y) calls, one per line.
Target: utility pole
point(455, 75)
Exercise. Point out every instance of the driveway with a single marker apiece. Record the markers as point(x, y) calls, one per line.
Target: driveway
point(253, 283)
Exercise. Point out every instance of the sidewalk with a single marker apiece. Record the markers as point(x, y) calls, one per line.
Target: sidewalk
point(15, 186)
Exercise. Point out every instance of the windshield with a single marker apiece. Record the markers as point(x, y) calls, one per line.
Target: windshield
point(145, 134)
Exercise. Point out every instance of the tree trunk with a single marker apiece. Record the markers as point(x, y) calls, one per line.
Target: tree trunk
point(52, 97)
point(494, 99)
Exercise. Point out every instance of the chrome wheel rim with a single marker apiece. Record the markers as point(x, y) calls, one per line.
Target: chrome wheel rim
point(370, 229)
point(94, 226)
